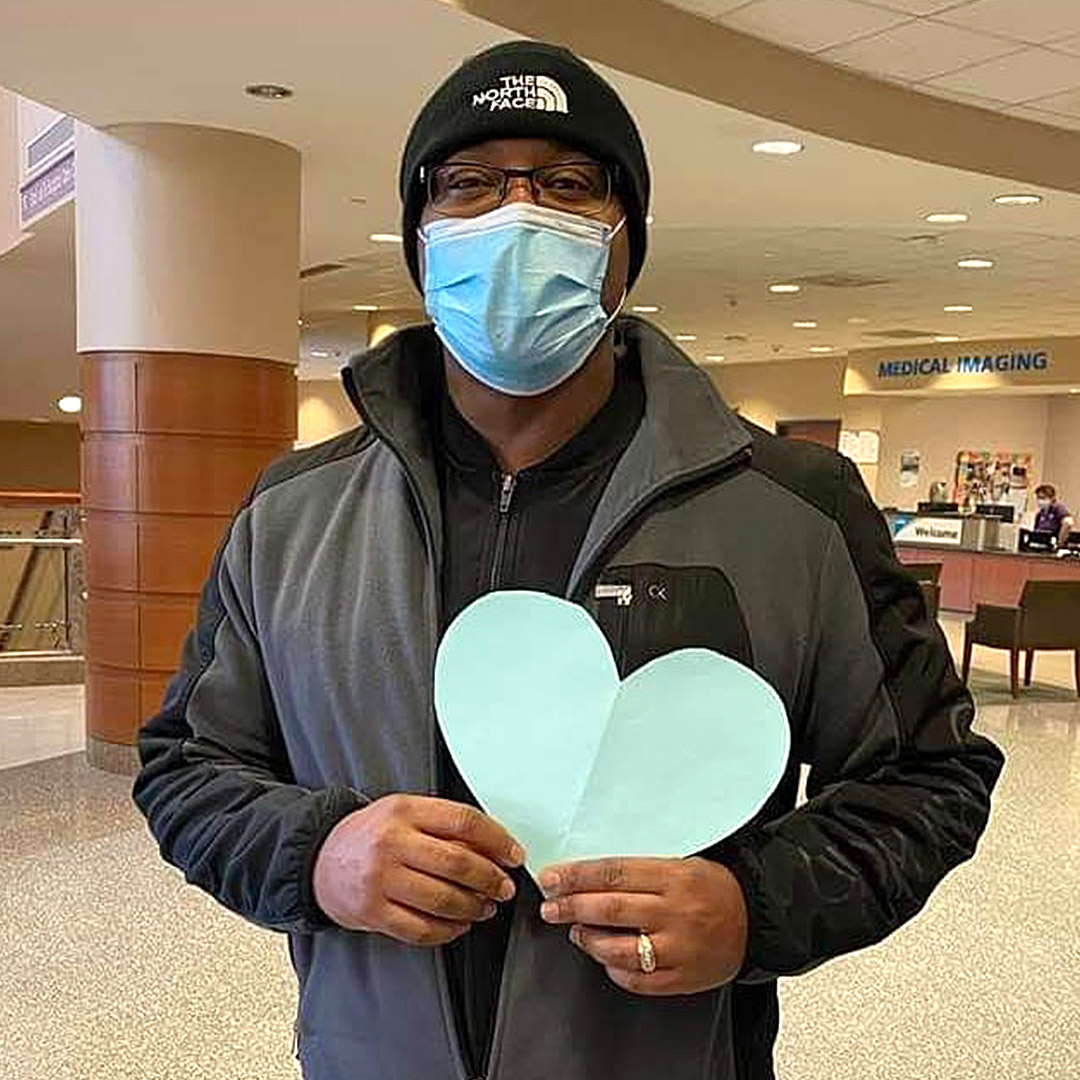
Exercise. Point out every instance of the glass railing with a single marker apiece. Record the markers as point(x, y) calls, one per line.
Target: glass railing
point(41, 580)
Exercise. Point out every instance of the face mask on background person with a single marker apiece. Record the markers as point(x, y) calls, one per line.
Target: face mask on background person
point(515, 294)
point(1044, 504)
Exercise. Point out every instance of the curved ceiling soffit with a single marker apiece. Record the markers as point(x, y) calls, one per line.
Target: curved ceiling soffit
point(683, 51)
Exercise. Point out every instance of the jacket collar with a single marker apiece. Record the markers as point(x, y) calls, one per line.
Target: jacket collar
point(687, 430)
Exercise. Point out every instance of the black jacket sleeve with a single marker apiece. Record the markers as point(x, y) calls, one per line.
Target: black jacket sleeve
point(899, 786)
point(215, 785)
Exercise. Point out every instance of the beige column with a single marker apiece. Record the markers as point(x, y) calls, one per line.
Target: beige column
point(187, 258)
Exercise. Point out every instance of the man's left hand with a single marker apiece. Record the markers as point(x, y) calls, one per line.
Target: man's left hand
point(693, 911)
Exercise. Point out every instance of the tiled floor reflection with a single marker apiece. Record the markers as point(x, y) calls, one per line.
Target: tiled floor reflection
point(112, 968)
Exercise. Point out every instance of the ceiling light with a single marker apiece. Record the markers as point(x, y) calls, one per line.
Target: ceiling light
point(72, 403)
point(1075, 390)
point(821, 348)
point(686, 337)
point(958, 308)
point(319, 354)
point(975, 264)
point(715, 358)
point(857, 320)
point(385, 238)
point(365, 307)
point(777, 147)
point(805, 324)
point(947, 217)
point(1020, 199)
point(299, 322)
point(646, 309)
point(946, 337)
point(649, 219)
point(784, 288)
point(268, 91)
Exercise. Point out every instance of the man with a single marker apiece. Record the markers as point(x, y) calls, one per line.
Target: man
point(1053, 516)
point(528, 440)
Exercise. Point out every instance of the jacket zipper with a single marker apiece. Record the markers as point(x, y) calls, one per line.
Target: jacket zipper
point(457, 1043)
point(507, 487)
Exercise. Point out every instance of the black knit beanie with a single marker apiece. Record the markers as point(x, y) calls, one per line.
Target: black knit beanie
point(527, 90)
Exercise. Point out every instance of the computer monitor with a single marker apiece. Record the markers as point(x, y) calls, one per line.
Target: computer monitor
point(1001, 511)
point(938, 507)
point(1037, 540)
point(1072, 541)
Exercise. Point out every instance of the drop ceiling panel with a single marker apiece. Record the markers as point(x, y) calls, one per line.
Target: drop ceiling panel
point(1067, 103)
point(712, 9)
point(811, 25)
point(918, 50)
point(1035, 21)
point(919, 7)
point(1017, 78)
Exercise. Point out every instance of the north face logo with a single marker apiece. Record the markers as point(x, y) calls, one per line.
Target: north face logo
point(523, 92)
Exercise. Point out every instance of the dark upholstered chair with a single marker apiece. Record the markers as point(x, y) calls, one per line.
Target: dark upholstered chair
point(1047, 617)
point(928, 575)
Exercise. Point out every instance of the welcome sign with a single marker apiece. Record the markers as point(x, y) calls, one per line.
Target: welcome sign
point(1053, 363)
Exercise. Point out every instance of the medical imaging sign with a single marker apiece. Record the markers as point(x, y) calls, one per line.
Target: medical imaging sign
point(966, 365)
point(1051, 363)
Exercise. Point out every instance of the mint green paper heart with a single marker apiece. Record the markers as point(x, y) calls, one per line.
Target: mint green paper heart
point(577, 764)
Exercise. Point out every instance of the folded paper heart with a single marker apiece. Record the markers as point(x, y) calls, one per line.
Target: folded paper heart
point(578, 764)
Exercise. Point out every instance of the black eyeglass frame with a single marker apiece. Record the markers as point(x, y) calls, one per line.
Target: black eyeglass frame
point(611, 172)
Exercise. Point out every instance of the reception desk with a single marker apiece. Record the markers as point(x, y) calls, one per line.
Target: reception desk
point(987, 577)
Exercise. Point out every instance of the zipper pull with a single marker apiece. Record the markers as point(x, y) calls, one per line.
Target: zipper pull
point(506, 495)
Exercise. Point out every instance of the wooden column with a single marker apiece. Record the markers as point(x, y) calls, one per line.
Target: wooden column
point(172, 442)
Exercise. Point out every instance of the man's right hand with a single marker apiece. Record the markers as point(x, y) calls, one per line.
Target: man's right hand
point(418, 869)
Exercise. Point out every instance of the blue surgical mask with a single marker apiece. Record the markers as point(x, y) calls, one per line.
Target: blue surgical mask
point(515, 294)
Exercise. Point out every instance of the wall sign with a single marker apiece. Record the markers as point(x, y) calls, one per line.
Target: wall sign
point(928, 530)
point(966, 366)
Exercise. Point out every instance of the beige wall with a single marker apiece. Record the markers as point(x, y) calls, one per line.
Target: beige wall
point(939, 427)
point(39, 457)
point(325, 411)
point(10, 233)
point(1063, 450)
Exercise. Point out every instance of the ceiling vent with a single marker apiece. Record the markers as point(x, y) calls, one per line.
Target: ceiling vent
point(321, 268)
point(901, 335)
point(842, 281)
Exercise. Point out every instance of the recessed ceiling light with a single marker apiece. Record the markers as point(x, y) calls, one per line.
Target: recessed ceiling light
point(784, 287)
point(319, 354)
point(1019, 199)
point(646, 309)
point(973, 263)
point(385, 238)
point(958, 308)
point(857, 320)
point(71, 403)
point(268, 91)
point(821, 348)
point(716, 358)
point(686, 337)
point(778, 147)
point(946, 217)
point(365, 307)
point(805, 324)
point(299, 322)
point(946, 337)
point(1075, 390)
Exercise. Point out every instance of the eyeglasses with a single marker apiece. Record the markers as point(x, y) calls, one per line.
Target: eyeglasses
point(468, 189)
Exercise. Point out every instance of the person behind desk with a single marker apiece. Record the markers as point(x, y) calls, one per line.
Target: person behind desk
point(1053, 516)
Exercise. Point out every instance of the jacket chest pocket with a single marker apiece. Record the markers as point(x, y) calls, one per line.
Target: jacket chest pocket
point(646, 610)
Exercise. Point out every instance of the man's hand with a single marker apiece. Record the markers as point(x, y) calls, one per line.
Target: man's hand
point(693, 910)
point(418, 869)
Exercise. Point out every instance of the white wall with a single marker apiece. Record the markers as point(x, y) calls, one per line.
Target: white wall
point(1063, 451)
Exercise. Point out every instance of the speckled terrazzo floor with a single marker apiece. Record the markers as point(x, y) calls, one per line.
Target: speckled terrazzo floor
point(112, 968)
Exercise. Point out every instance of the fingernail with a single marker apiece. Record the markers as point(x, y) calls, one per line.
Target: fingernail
point(575, 936)
point(489, 911)
point(517, 855)
point(549, 911)
point(507, 890)
point(549, 882)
